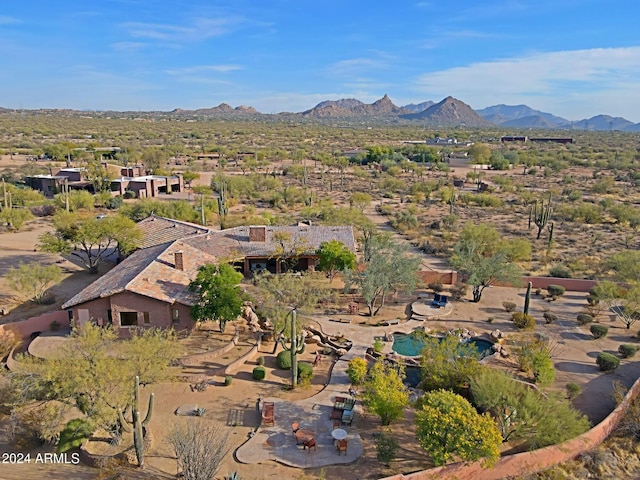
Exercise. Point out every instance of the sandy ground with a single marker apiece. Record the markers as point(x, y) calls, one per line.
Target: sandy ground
point(573, 347)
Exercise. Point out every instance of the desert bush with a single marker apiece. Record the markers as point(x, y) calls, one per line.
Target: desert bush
point(114, 203)
point(378, 345)
point(357, 370)
point(458, 291)
point(259, 373)
point(436, 287)
point(584, 318)
point(54, 326)
point(227, 380)
point(573, 390)
point(598, 331)
point(305, 371)
point(607, 362)
point(556, 290)
point(560, 271)
point(523, 321)
point(509, 306)
point(129, 194)
point(627, 350)
point(260, 360)
point(550, 317)
point(283, 360)
point(386, 448)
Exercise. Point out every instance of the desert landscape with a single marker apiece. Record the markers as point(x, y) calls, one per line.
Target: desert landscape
point(423, 210)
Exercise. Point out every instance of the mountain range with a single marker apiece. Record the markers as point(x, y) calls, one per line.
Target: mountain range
point(449, 112)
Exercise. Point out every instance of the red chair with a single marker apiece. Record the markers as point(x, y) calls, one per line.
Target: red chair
point(341, 446)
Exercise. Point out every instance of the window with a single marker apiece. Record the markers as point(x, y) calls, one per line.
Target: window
point(176, 315)
point(145, 316)
point(128, 319)
point(109, 317)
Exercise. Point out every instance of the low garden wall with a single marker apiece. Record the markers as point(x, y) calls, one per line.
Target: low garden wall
point(199, 358)
point(534, 461)
point(433, 276)
point(42, 323)
point(234, 366)
point(570, 284)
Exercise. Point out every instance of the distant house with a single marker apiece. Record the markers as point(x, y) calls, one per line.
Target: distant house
point(53, 183)
point(150, 287)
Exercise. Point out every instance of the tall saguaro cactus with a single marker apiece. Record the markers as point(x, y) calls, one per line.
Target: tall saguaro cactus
point(136, 424)
point(296, 346)
point(541, 215)
point(223, 208)
point(527, 299)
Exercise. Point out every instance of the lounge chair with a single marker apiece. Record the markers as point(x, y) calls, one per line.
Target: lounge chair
point(436, 300)
point(347, 417)
point(268, 413)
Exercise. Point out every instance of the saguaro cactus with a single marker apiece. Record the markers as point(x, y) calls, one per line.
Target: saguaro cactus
point(296, 346)
point(541, 215)
point(136, 424)
point(527, 299)
point(223, 208)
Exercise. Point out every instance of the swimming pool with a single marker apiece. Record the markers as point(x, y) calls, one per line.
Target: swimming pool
point(411, 346)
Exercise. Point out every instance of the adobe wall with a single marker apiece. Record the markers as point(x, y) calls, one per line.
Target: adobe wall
point(570, 284)
point(534, 461)
point(432, 276)
point(41, 323)
point(200, 358)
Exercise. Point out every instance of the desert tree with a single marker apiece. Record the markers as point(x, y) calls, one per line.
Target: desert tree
point(482, 260)
point(384, 392)
point(623, 302)
point(335, 256)
point(448, 427)
point(387, 268)
point(219, 294)
point(199, 446)
point(32, 280)
point(90, 239)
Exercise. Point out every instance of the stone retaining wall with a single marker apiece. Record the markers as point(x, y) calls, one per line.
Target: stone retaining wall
point(534, 461)
point(234, 366)
point(199, 358)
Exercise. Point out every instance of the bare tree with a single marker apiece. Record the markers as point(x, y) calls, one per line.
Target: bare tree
point(200, 447)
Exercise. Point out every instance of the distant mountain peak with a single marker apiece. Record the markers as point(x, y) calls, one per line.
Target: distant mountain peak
point(351, 108)
point(449, 112)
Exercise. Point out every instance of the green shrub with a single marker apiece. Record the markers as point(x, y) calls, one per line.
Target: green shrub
point(378, 345)
point(599, 331)
point(357, 370)
point(626, 350)
point(509, 306)
point(114, 203)
point(227, 380)
point(550, 317)
point(523, 321)
point(260, 360)
point(283, 360)
point(560, 271)
point(607, 362)
point(305, 371)
point(436, 287)
point(259, 373)
point(54, 326)
point(573, 390)
point(556, 290)
point(73, 435)
point(584, 318)
point(129, 194)
point(542, 367)
point(386, 448)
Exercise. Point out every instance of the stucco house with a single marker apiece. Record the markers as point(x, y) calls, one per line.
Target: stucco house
point(149, 288)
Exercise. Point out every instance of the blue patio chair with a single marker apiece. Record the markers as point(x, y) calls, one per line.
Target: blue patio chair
point(347, 417)
point(436, 300)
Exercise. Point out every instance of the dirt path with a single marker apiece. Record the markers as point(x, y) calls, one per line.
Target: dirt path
point(429, 262)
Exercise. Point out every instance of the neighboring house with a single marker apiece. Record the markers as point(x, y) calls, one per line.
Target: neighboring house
point(150, 287)
point(131, 179)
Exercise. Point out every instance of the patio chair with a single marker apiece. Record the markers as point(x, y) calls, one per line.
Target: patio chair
point(347, 417)
point(295, 426)
point(309, 444)
point(341, 446)
point(336, 414)
point(436, 300)
point(268, 413)
point(443, 300)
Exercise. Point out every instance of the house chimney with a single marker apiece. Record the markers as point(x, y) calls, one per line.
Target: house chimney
point(258, 234)
point(179, 260)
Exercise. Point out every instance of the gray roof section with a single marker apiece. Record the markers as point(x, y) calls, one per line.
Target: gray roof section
point(158, 230)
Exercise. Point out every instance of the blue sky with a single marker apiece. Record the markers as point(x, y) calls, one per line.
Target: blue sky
point(572, 58)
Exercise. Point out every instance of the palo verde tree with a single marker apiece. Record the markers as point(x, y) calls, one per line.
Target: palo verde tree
point(448, 427)
point(335, 256)
point(32, 280)
point(624, 302)
point(389, 269)
point(82, 373)
point(481, 256)
point(90, 239)
point(219, 294)
point(384, 393)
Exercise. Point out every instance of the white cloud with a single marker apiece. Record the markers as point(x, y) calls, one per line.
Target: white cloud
point(195, 30)
point(7, 20)
point(577, 79)
point(204, 69)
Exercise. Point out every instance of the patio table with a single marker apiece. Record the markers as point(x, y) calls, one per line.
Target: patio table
point(339, 434)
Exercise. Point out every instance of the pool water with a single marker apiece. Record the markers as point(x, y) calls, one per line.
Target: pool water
point(411, 346)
